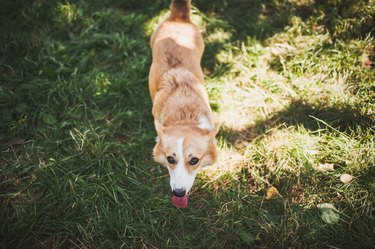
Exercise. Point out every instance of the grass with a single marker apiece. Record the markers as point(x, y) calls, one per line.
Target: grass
point(290, 87)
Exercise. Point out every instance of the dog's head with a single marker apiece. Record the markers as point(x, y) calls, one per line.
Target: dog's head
point(184, 150)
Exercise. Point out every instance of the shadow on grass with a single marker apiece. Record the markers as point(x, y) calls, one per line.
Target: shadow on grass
point(345, 119)
point(87, 181)
point(56, 56)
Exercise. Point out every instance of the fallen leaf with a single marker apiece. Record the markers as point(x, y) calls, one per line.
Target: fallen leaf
point(48, 119)
point(346, 178)
point(366, 62)
point(272, 192)
point(281, 48)
point(330, 217)
point(324, 206)
point(325, 167)
point(330, 214)
point(313, 152)
point(15, 141)
point(246, 236)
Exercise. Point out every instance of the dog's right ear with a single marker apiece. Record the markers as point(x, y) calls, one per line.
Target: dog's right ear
point(160, 129)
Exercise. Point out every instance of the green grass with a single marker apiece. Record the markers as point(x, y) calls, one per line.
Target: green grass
point(289, 89)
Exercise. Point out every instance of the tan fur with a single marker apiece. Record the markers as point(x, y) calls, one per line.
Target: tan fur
point(197, 143)
point(177, 91)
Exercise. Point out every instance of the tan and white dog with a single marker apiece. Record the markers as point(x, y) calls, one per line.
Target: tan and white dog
point(183, 117)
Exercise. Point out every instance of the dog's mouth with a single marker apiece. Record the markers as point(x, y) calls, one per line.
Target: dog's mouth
point(180, 201)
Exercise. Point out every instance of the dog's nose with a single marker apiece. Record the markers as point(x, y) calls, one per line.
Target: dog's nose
point(179, 192)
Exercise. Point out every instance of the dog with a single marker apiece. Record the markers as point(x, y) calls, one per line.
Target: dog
point(182, 114)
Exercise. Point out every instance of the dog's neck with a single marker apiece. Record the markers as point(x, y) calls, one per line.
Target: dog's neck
point(182, 100)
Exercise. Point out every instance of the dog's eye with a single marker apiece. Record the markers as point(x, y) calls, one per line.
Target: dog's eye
point(171, 160)
point(194, 161)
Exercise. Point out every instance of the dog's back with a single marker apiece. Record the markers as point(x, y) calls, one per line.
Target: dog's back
point(183, 117)
point(176, 44)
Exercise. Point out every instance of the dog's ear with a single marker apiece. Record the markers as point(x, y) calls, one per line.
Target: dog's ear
point(214, 132)
point(158, 153)
point(211, 156)
point(160, 129)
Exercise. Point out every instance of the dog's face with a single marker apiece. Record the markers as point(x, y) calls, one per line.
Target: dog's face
point(184, 151)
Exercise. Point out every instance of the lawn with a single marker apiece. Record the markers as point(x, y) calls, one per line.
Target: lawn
point(292, 85)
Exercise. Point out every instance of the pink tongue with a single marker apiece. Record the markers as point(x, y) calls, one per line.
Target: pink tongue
point(180, 202)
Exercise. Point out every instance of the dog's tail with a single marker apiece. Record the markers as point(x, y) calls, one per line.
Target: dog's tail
point(180, 10)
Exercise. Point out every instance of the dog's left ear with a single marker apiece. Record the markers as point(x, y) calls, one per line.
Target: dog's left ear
point(214, 132)
point(160, 129)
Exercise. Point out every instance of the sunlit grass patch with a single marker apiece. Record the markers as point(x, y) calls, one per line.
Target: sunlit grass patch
point(218, 35)
point(286, 150)
point(291, 84)
point(66, 13)
point(153, 23)
point(102, 83)
point(280, 154)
